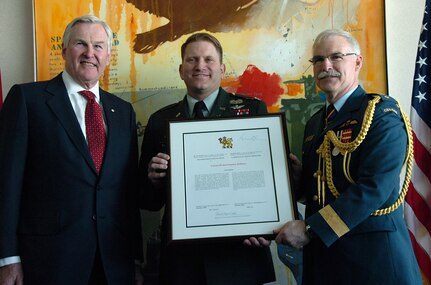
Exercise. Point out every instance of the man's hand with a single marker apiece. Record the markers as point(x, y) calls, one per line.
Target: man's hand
point(11, 274)
point(293, 233)
point(157, 167)
point(257, 242)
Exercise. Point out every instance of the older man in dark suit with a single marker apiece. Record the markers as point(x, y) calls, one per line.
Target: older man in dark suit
point(68, 160)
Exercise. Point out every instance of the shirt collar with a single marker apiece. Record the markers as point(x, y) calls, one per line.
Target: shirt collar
point(209, 101)
point(73, 87)
point(340, 102)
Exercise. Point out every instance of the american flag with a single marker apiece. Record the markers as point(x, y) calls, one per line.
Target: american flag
point(418, 200)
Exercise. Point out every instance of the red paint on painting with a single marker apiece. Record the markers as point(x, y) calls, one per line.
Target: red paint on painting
point(262, 85)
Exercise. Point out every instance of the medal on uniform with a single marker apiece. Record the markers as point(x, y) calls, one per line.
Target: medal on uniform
point(346, 135)
point(241, 112)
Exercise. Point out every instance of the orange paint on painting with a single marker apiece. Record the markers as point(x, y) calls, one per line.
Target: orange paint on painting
point(50, 32)
point(50, 35)
point(113, 19)
point(273, 109)
point(230, 83)
point(96, 7)
point(104, 83)
point(262, 85)
point(132, 28)
point(295, 89)
point(370, 17)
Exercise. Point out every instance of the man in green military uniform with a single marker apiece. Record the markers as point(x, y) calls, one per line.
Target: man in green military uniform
point(202, 70)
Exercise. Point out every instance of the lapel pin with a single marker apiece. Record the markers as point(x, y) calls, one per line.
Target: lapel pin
point(112, 110)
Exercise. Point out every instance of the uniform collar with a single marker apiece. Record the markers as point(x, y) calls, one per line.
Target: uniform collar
point(340, 102)
point(209, 101)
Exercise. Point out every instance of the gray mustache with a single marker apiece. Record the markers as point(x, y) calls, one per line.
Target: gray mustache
point(330, 73)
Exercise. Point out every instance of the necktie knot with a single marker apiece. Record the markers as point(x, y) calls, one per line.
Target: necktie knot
point(88, 95)
point(198, 109)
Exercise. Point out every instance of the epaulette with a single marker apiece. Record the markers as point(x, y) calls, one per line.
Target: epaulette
point(377, 94)
point(383, 97)
point(387, 103)
point(244, 97)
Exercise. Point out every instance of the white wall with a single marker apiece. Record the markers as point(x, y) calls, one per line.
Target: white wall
point(403, 26)
point(16, 48)
point(403, 23)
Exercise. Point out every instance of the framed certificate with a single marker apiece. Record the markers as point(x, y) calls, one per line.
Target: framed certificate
point(229, 178)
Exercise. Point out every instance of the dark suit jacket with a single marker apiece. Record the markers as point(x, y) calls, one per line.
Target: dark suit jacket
point(223, 263)
point(375, 249)
point(54, 209)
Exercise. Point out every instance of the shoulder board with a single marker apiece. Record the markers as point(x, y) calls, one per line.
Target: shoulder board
point(383, 97)
point(244, 97)
point(387, 103)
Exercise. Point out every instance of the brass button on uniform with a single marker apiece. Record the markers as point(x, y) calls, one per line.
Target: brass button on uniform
point(315, 198)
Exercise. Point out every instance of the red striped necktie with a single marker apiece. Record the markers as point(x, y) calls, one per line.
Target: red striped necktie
point(94, 129)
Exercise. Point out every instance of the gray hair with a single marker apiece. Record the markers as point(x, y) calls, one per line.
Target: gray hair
point(336, 32)
point(87, 19)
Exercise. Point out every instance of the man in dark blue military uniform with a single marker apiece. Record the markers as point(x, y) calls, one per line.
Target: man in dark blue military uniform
point(221, 263)
point(353, 153)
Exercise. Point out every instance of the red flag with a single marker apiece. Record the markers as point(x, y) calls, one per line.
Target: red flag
point(1, 92)
point(418, 200)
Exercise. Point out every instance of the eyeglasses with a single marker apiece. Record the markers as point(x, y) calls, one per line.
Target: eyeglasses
point(335, 57)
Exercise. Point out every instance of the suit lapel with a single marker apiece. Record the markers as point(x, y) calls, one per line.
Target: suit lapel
point(113, 125)
point(109, 110)
point(63, 110)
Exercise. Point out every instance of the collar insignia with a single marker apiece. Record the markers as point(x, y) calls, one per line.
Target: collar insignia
point(309, 138)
